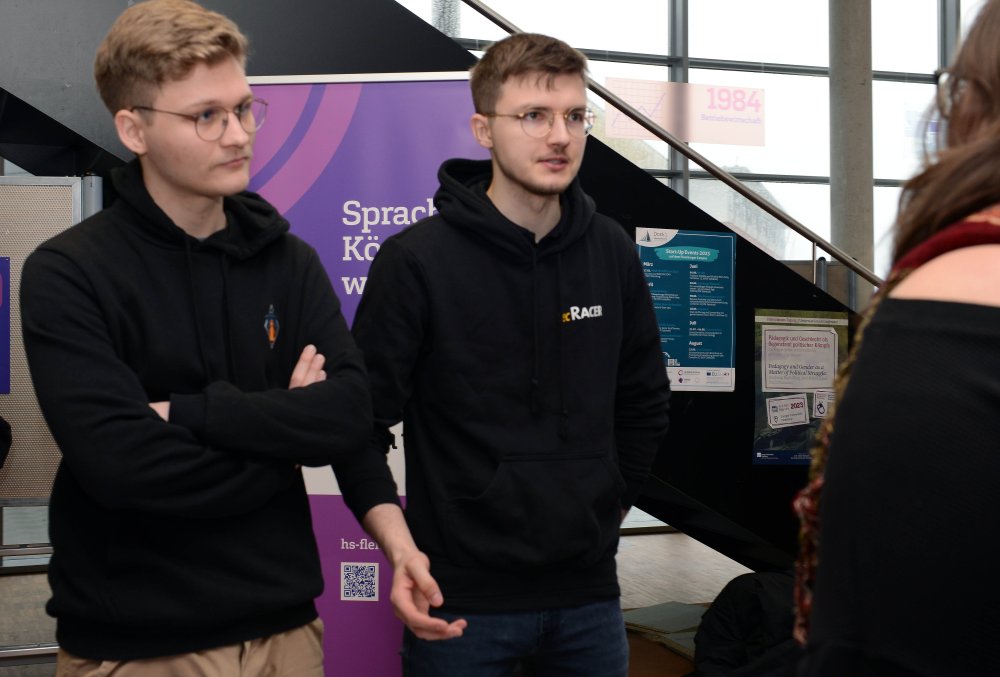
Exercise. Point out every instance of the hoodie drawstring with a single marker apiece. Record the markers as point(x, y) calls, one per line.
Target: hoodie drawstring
point(227, 326)
point(536, 320)
point(563, 411)
point(535, 357)
point(194, 308)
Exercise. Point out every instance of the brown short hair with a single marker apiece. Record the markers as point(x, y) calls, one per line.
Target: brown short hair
point(519, 55)
point(156, 41)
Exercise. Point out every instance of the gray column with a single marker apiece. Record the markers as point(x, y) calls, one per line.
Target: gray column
point(851, 180)
point(445, 17)
point(679, 73)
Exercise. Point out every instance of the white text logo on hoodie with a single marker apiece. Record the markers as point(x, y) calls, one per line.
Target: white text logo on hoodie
point(581, 313)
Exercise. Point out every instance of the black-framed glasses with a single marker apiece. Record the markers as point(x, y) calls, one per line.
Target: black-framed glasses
point(537, 122)
point(210, 124)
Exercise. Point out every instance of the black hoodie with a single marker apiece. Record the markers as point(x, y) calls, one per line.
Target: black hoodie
point(532, 388)
point(172, 537)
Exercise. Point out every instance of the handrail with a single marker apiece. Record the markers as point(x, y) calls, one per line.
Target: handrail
point(29, 550)
point(28, 654)
point(696, 157)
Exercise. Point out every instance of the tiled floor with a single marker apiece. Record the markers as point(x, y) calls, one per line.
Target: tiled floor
point(652, 567)
point(673, 567)
point(667, 567)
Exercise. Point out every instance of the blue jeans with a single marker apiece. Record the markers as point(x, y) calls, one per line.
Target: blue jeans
point(585, 641)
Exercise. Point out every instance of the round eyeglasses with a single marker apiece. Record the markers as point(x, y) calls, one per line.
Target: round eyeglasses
point(210, 124)
point(538, 123)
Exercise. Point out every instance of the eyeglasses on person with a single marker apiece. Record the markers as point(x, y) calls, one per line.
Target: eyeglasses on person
point(210, 124)
point(537, 123)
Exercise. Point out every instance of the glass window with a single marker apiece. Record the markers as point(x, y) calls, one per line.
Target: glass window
point(787, 31)
point(886, 206)
point(646, 153)
point(10, 169)
point(968, 10)
point(641, 26)
point(899, 110)
point(905, 35)
point(809, 204)
point(796, 124)
point(421, 8)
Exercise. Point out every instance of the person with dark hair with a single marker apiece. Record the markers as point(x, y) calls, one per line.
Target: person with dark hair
point(893, 576)
point(513, 334)
point(189, 355)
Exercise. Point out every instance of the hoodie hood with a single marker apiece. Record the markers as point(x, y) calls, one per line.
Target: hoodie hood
point(463, 203)
point(252, 222)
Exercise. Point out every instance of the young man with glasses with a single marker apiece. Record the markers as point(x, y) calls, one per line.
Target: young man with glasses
point(189, 355)
point(514, 335)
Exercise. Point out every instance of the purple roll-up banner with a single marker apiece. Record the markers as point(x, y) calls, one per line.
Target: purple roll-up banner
point(349, 161)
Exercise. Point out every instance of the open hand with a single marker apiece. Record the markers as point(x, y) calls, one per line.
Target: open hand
point(414, 591)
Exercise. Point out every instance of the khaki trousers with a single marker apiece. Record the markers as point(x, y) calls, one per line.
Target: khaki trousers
point(295, 653)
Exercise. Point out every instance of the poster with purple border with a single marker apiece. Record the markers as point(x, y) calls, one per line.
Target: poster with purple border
point(351, 160)
point(5, 325)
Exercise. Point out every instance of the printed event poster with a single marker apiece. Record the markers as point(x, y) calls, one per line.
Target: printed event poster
point(5, 325)
point(350, 161)
point(798, 353)
point(690, 276)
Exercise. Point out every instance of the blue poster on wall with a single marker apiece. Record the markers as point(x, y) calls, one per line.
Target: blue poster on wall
point(690, 277)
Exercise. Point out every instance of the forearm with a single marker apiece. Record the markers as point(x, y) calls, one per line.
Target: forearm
point(387, 525)
point(319, 411)
point(126, 457)
point(414, 590)
point(315, 425)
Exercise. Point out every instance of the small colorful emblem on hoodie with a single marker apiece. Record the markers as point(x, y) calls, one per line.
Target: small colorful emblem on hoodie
point(271, 326)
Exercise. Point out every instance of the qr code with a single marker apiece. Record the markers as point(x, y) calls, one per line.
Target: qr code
point(359, 581)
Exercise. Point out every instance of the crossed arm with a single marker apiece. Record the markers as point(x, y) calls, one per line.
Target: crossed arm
point(414, 590)
point(308, 370)
point(226, 451)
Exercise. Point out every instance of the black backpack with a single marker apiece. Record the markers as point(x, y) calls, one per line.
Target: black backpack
point(748, 629)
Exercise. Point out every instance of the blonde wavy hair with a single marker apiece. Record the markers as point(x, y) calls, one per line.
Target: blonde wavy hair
point(158, 41)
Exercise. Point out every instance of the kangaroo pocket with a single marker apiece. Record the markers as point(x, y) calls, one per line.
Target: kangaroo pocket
point(539, 510)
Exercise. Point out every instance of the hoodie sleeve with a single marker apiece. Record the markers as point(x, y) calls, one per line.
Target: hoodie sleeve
point(324, 423)
point(116, 447)
point(642, 399)
point(390, 329)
